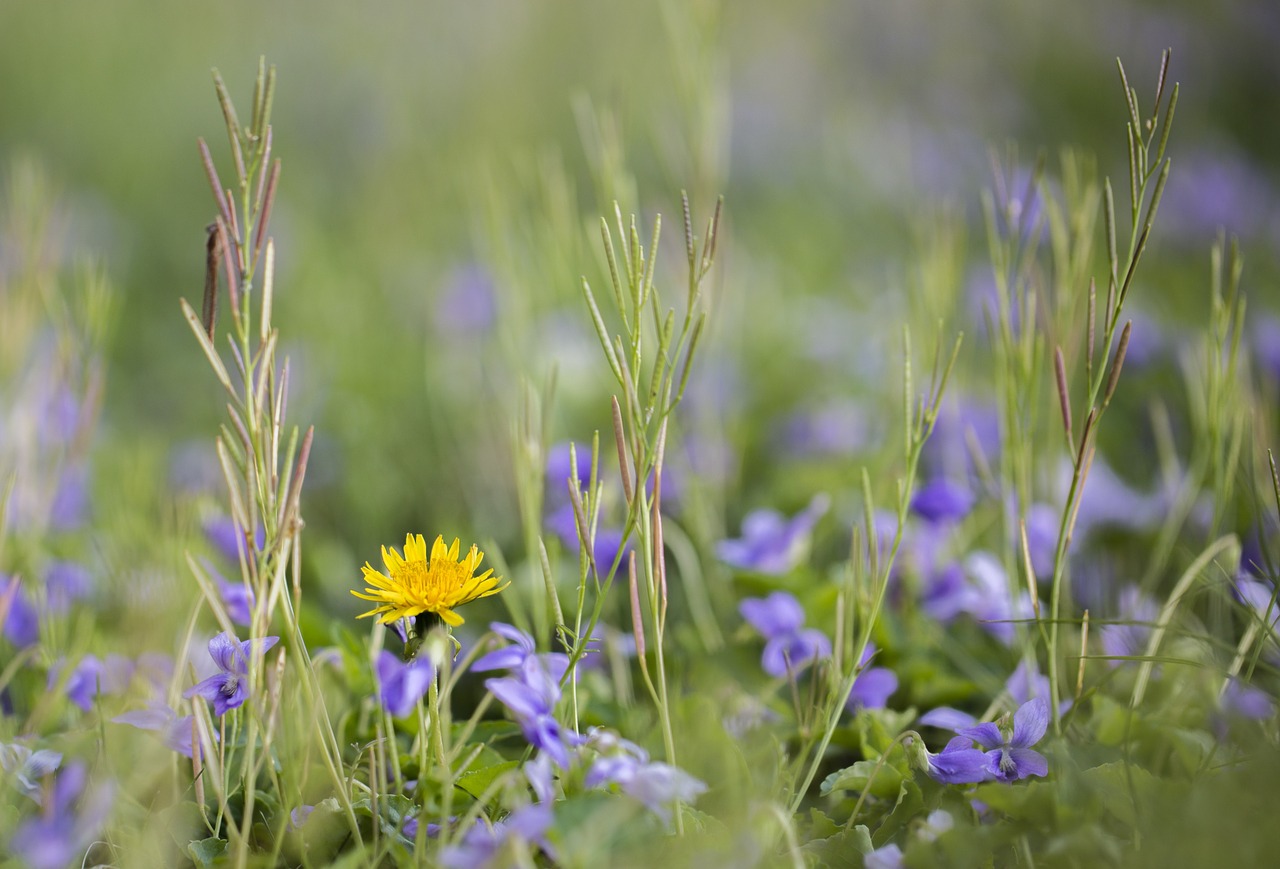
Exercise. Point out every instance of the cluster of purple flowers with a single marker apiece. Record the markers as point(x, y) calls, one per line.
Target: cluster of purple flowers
point(531, 692)
point(64, 583)
point(68, 823)
point(790, 647)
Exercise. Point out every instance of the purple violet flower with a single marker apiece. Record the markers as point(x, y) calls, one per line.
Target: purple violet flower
point(885, 857)
point(173, 729)
point(942, 501)
point(61, 835)
point(299, 815)
point(1259, 597)
point(228, 688)
point(1011, 757)
point(28, 767)
point(482, 844)
point(1245, 701)
point(513, 657)
point(873, 686)
point(770, 543)
point(657, 785)
point(22, 624)
point(65, 582)
point(237, 598)
point(226, 537)
point(467, 304)
point(958, 763)
point(69, 507)
point(83, 683)
point(789, 647)
point(1129, 640)
point(1042, 538)
point(401, 685)
point(531, 696)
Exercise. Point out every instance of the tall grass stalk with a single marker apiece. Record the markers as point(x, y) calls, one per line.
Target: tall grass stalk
point(263, 468)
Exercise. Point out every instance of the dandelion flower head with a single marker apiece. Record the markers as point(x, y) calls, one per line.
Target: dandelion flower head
point(416, 584)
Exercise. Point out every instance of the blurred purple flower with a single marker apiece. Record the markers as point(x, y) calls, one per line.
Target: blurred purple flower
point(173, 729)
point(70, 505)
point(61, 834)
point(789, 646)
point(28, 767)
point(1264, 339)
point(838, 428)
point(481, 844)
point(226, 537)
point(874, 685)
point(979, 588)
point(1042, 538)
point(941, 501)
point(1109, 501)
point(996, 608)
point(608, 540)
point(82, 684)
point(885, 857)
point(656, 785)
point(194, 468)
point(1259, 597)
point(228, 688)
point(948, 594)
point(401, 685)
point(237, 598)
point(776, 615)
point(1129, 640)
point(962, 420)
point(58, 417)
point(1245, 701)
point(299, 815)
point(1217, 190)
point(467, 304)
point(65, 582)
point(770, 543)
point(155, 668)
point(531, 696)
point(540, 773)
point(512, 657)
point(22, 624)
point(560, 469)
point(1011, 757)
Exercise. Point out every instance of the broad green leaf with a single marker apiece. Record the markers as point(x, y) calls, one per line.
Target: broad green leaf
point(477, 781)
point(205, 852)
point(882, 779)
point(845, 850)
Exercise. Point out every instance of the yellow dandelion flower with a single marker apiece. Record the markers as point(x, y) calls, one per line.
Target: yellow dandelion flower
point(415, 584)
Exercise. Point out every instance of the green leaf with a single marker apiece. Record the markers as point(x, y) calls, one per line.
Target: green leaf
point(1035, 803)
point(821, 826)
point(1118, 787)
point(205, 852)
point(845, 850)
point(475, 782)
point(910, 805)
point(883, 782)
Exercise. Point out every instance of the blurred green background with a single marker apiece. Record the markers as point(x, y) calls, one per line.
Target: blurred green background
point(438, 155)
